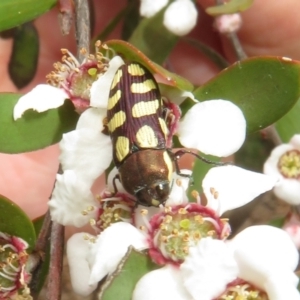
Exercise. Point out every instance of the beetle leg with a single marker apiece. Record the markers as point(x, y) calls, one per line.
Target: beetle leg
point(114, 183)
point(179, 153)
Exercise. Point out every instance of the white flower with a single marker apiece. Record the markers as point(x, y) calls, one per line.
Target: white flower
point(228, 23)
point(219, 128)
point(180, 16)
point(91, 261)
point(267, 258)
point(263, 256)
point(149, 8)
point(85, 153)
point(42, 98)
point(229, 187)
point(284, 162)
point(70, 80)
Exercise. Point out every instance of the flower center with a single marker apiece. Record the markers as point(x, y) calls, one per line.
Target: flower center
point(243, 291)
point(181, 227)
point(289, 164)
point(77, 78)
point(113, 209)
point(11, 263)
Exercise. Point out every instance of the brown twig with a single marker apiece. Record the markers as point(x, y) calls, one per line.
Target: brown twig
point(40, 250)
point(56, 262)
point(82, 27)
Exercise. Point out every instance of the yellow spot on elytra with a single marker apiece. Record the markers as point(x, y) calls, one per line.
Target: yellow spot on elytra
point(169, 164)
point(135, 70)
point(116, 121)
point(144, 108)
point(113, 100)
point(163, 126)
point(116, 79)
point(146, 137)
point(143, 87)
point(122, 147)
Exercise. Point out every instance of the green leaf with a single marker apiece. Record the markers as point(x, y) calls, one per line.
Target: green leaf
point(24, 57)
point(130, 53)
point(16, 12)
point(131, 20)
point(15, 222)
point(121, 283)
point(254, 152)
point(289, 124)
point(278, 222)
point(153, 39)
point(34, 130)
point(231, 7)
point(265, 89)
point(209, 52)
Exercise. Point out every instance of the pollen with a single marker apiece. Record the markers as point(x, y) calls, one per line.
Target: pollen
point(289, 164)
point(243, 291)
point(179, 230)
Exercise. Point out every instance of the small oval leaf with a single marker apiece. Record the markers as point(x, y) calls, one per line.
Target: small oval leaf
point(16, 12)
point(265, 88)
point(34, 130)
point(24, 57)
point(153, 38)
point(130, 53)
point(289, 124)
point(15, 222)
point(234, 6)
point(121, 283)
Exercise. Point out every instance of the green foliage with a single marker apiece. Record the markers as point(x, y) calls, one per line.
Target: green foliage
point(34, 130)
point(230, 7)
point(15, 222)
point(131, 53)
point(289, 124)
point(265, 89)
point(24, 56)
point(121, 283)
point(16, 12)
point(150, 30)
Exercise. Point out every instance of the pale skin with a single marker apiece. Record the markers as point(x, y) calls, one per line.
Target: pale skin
point(270, 27)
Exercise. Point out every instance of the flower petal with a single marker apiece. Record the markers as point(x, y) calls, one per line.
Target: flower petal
point(149, 8)
point(215, 127)
point(180, 17)
point(111, 246)
point(71, 196)
point(87, 152)
point(288, 190)
point(42, 98)
point(271, 164)
point(92, 118)
point(295, 141)
point(77, 252)
point(179, 186)
point(161, 284)
point(208, 268)
point(176, 95)
point(229, 187)
point(267, 258)
point(100, 88)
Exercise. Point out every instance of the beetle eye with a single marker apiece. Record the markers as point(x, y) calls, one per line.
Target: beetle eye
point(162, 190)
